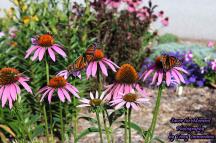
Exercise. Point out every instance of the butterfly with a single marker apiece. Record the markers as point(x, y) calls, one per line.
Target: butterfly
point(169, 62)
point(82, 61)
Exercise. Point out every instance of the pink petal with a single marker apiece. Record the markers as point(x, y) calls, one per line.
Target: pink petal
point(41, 53)
point(59, 50)
point(66, 95)
point(17, 89)
point(181, 69)
point(10, 102)
point(72, 91)
point(30, 50)
point(179, 75)
point(94, 69)
point(61, 95)
point(128, 105)
point(1, 91)
point(168, 78)
point(13, 91)
point(52, 54)
point(110, 65)
point(134, 106)
point(120, 105)
point(89, 70)
point(148, 73)
point(45, 93)
point(74, 88)
point(111, 62)
point(160, 77)
point(43, 89)
point(6, 94)
point(26, 86)
point(154, 78)
point(103, 68)
point(50, 95)
point(36, 54)
point(175, 76)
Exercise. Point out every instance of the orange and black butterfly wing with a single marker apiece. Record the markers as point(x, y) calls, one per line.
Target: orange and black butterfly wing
point(174, 62)
point(79, 64)
point(165, 62)
point(89, 53)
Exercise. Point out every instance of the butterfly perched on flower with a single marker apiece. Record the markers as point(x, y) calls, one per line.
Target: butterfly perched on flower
point(82, 61)
point(168, 62)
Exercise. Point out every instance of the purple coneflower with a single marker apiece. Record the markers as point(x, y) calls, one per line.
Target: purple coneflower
point(61, 86)
point(94, 100)
point(132, 100)
point(10, 78)
point(69, 72)
point(160, 74)
point(126, 80)
point(102, 62)
point(44, 43)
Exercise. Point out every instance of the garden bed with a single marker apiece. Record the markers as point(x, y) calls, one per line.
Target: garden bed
point(194, 102)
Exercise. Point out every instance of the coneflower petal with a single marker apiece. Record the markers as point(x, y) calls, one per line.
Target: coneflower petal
point(36, 54)
point(160, 77)
point(52, 54)
point(50, 95)
point(103, 68)
point(41, 53)
point(66, 95)
point(13, 92)
point(56, 48)
point(168, 78)
point(61, 95)
point(94, 68)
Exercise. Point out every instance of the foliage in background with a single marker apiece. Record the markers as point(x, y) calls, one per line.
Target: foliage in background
point(167, 38)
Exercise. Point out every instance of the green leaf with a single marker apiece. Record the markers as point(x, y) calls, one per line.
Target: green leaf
point(37, 131)
point(92, 120)
point(157, 139)
point(86, 132)
point(115, 115)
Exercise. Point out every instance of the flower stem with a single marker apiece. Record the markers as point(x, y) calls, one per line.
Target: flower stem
point(106, 128)
point(61, 122)
point(50, 111)
point(125, 135)
point(46, 123)
point(99, 127)
point(155, 114)
point(75, 119)
point(129, 124)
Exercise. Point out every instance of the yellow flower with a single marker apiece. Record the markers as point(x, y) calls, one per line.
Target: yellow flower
point(35, 18)
point(26, 19)
point(24, 7)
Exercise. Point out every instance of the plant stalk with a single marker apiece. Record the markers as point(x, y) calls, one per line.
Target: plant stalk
point(105, 126)
point(61, 122)
point(129, 124)
point(125, 129)
point(155, 115)
point(99, 127)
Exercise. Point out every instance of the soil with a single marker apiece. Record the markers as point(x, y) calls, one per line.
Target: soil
point(192, 103)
